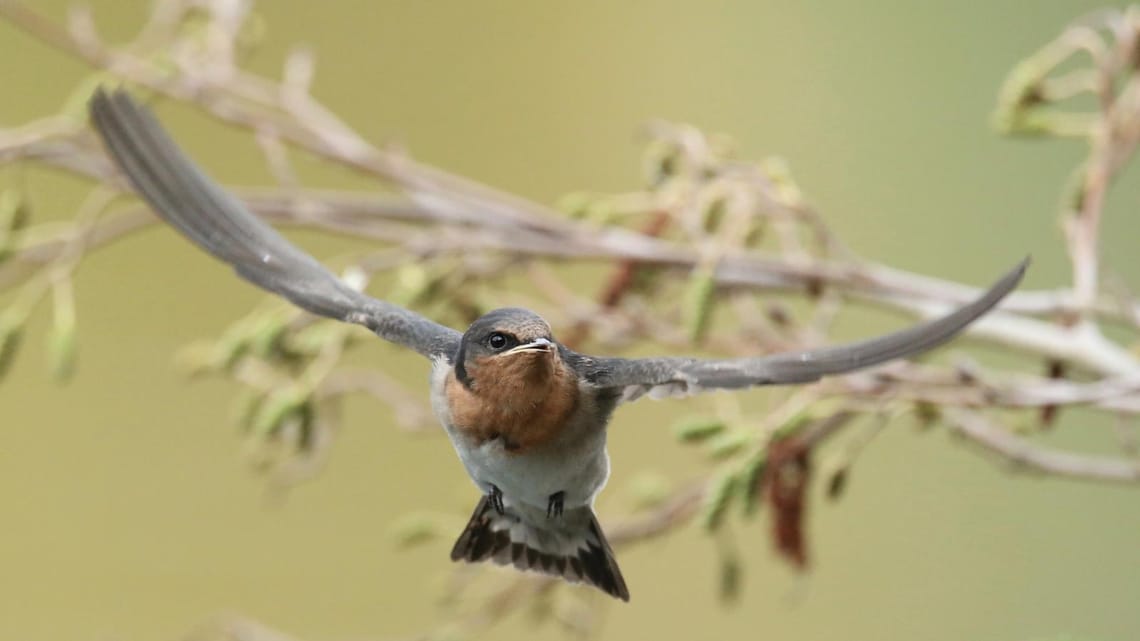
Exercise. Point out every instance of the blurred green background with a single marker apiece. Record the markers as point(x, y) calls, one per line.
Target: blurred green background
point(128, 512)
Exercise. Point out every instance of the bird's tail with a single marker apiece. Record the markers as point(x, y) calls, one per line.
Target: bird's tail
point(568, 545)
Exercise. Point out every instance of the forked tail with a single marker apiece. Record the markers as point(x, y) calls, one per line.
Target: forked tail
point(570, 545)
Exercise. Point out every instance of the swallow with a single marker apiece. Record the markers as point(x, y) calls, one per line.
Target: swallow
point(526, 415)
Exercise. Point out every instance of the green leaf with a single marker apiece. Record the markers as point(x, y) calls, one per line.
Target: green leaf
point(14, 215)
point(246, 407)
point(649, 489)
point(731, 575)
point(61, 350)
point(794, 424)
point(414, 529)
point(61, 346)
point(11, 335)
point(698, 303)
point(576, 204)
point(927, 413)
point(752, 477)
point(721, 491)
point(660, 161)
point(725, 445)
point(265, 340)
point(694, 429)
point(412, 283)
point(714, 214)
point(837, 483)
point(277, 408)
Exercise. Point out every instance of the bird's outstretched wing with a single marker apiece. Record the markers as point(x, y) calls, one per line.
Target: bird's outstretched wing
point(678, 376)
point(220, 224)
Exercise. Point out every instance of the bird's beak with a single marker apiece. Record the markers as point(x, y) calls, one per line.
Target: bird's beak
point(537, 345)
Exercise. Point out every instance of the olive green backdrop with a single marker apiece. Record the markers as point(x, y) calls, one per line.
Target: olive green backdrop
point(128, 512)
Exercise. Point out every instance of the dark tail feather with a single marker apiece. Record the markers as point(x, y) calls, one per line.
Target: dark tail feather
point(572, 548)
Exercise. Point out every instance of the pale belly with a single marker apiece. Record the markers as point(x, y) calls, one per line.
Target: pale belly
point(579, 471)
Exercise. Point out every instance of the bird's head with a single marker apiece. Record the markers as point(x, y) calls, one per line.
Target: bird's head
point(510, 346)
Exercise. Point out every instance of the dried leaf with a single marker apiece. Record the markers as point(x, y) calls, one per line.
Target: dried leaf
point(786, 479)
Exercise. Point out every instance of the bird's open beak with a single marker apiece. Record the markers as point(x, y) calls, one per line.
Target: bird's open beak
point(537, 345)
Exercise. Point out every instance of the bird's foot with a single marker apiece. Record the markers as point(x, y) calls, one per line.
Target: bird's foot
point(496, 497)
point(554, 505)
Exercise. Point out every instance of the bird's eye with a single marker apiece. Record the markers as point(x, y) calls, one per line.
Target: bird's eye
point(497, 340)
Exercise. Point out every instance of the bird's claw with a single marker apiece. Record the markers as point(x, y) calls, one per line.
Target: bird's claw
point(496, 497)
point(554, 505)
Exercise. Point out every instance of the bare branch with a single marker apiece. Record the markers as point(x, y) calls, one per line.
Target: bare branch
point(1032, 458)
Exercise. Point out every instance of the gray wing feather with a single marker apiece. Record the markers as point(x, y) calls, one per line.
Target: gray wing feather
point(670, 376)
point(220, 224)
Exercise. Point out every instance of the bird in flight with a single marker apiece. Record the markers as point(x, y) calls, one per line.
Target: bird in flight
point(526, 415)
